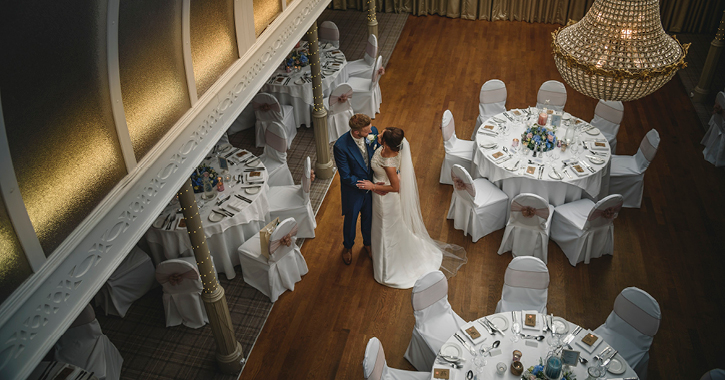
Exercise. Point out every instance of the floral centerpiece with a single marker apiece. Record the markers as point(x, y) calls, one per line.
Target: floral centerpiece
point(536, 372)
point(197, 177)
point(539, 138)
point(297, 59)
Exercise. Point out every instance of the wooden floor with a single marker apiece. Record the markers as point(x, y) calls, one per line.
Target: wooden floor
point(672, 246)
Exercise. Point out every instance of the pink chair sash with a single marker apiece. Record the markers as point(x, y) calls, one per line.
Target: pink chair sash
point(635, 316)
point(371, 50)
point(648, 150)
point(377, 373)
point(608, 213)
point(430, 295)
point(176, 278)
point(460, 185)
point(606, 112)
point(266, 107)
point(529, 212)
point(332, 34)
point(278, 143)
point(526, 279)
point(554, 98)
point(448, 130)
point(493, 96)
point(286, 240)
point(341, 99)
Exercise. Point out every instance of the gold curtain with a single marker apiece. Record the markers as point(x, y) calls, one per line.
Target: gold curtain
point(678, 16)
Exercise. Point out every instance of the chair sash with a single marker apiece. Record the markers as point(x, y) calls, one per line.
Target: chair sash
point(460, 185)
point(286, 240)
point(647, 149)
point(430, 295)
point(448, 130)
point(607, 213)
point(377, 372)
point(529, 212)
point(607, 112)
point(306, 183)
point(277, 143)
point(340, 99)
point(526, 279)
point(266, 107)
point(328, 33)
point(176, 278)
point(554, 98)
point(635, 316)
point(493, 96)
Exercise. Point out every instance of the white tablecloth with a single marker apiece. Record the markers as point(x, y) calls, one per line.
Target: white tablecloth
point(222, 237)
point(556, 191)
point(299, 94)
point(530, 355)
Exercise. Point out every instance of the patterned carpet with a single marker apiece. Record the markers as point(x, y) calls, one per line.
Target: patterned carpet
point(152, 351)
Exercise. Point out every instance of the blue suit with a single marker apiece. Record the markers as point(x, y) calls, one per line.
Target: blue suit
point(352, 168)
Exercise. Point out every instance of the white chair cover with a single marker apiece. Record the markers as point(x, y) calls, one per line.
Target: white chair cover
point(435, 321)
point(714, 140)
point(84, 345)
point(329, 33)
point(182, 299)
point(584, 230)
point(285, 266)
point(627, 172)
point(363, 68)
point(268, 110)
point(129, 282)
point(47, 370)
point(477, 206)
point(607, 117)
point(631, 327)
point(553, 91)
point(340, 111)
point(376, 368)
point(714, 374)
point(294, 202)
point(457, 151)
point(275, 156)
point(367, 96)
point(525, 285)
point(492, 101)
point(527, 231)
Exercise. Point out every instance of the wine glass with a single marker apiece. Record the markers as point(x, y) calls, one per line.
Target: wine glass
point(515, 327)
point(596, 370)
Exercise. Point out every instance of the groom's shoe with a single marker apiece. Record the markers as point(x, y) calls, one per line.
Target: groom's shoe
point(368, 250)
point(347, 256)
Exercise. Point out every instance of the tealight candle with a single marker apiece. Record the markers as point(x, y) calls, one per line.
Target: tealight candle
point(543, 117)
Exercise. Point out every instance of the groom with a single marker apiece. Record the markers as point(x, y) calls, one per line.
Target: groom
point(353, 152)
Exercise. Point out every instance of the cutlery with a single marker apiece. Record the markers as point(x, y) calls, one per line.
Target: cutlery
point(495, 344)
point(581, 358)
point(171, 221)
point(485, 326)
point(453, 365)
point(220, 201)
point(483, 131)
point(463, 342)
point(255, 183)
point(498, 120)
point(571, 336)
point(226, 211)
point(587, 166)
point(601, 354)
point(506, 159)
point(560, 177)
point(507, 116)
point(493, 326)
point(541, 171)
point(249, 170)
point(538, 338)
point(610, 358)
point(163, 226)
point(286, 81)
point(219, 213)
point(452, 359)
point(593, 158)
point(243, 198)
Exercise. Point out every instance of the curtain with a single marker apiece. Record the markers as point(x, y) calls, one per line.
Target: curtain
point(678, 16)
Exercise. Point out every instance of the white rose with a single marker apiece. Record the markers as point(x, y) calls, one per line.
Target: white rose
point(371, 137)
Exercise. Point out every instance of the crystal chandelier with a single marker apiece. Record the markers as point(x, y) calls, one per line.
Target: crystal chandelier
point(618, 51)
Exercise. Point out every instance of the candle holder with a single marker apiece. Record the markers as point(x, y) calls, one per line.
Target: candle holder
point(553, 367)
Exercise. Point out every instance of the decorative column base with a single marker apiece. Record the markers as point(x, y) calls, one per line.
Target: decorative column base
point(229, 353)
point(324, 168)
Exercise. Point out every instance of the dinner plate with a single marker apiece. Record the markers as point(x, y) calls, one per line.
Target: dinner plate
point(252, 190)
point(159, 221)
point(299, 81)
point(500, 322)
point(593, 131)
point(552, 175)
point(328, 72)
point(225, 148)
point(452, 350)
point(254, 162)
point(595, 160)
point(566, 116)
point(214, 217)
point(560, 323)
point(616, 365)
point(489, 145)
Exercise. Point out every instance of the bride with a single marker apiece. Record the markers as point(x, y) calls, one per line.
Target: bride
point(401, 248)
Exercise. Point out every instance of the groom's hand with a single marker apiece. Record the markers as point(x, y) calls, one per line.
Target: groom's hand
point(378, 192)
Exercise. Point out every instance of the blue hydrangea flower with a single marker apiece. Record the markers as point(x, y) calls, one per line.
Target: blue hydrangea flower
point(537, 369)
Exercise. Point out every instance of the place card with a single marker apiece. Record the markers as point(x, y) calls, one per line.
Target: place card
point(531, 170)
point(181, 223)
point(253, 175)
point(577, 121)
point(516, 112)
point(489, 127)
point(279, 80)
point(550, 112)
point(495, 352)
point(473, 333)
point(600, 144)
point(532, 343)
point(530, 320)
point(497, 155)
point(578, 169)
point(590, 339)
point(441, 373)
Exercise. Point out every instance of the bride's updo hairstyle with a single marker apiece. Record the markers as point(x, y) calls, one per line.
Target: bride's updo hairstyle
point(393, 138)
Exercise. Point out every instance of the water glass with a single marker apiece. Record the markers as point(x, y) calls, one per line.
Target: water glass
point(596, 370)
point(515, 327)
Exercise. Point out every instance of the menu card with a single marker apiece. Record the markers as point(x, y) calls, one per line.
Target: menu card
point(441, 373)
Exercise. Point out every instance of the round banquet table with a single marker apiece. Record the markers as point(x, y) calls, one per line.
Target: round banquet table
point(592, 183)
point(223, 234)
point(531, 350)
point(295, 88)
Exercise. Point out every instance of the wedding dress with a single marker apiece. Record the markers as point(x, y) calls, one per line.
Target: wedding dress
point(401, 248)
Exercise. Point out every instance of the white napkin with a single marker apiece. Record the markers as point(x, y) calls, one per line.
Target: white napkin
point(237, 205)
point(480, 330)
point(537, 327)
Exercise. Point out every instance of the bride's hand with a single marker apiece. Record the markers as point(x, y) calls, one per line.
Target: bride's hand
point(365, 185)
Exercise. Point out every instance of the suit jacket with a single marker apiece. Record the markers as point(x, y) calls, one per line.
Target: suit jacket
point(352, 168)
